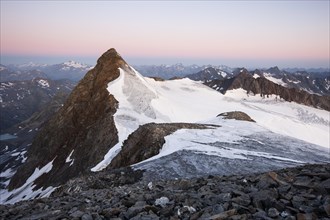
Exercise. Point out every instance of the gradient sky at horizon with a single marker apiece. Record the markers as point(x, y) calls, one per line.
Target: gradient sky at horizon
point(235, 33)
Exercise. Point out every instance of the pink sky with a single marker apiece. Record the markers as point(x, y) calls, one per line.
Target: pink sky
point(296, 31)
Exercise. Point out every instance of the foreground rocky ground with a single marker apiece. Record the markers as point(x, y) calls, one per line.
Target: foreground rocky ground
point(293, 193)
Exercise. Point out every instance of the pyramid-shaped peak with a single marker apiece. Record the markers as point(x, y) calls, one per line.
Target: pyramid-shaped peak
point(76, 127)
point(111, 56)
point(274, 70)
point(111, 52)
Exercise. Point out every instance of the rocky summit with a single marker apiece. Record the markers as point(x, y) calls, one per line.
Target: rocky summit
point(295, 193)
point(73, 133)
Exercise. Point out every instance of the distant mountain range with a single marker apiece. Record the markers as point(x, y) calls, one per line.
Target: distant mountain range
point(75, 71)
point(20, 99)
point(68, 70)
point(176, 70)
point(314, 83)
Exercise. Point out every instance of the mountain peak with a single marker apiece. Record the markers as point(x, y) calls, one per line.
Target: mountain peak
point(274, 70)
point(111, 56)
point(112, 52)
point(74, 131)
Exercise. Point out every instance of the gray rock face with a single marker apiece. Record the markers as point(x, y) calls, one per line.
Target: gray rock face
point(270, 195)
point(82, 130)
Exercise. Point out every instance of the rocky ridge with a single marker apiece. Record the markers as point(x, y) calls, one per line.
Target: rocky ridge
point(312, 82)
point(292, 193)
point(264, 88)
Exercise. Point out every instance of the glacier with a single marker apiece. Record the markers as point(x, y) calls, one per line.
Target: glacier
point(143, 100)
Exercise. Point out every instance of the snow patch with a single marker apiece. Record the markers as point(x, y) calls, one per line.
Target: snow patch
point(43, 83)
point(295, 82)
point(7, 173)
point(274, 80)
point(69, 159)
point(27, 191)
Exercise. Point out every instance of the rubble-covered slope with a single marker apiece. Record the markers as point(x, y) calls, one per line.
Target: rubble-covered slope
point(294, 193)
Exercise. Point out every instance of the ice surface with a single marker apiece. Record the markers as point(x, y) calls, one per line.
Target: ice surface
point(237, 147)
point(205, 141)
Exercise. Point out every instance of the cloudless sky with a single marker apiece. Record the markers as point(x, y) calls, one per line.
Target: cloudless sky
point(235, 33)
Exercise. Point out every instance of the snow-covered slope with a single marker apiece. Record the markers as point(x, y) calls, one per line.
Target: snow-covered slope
point(143, 100)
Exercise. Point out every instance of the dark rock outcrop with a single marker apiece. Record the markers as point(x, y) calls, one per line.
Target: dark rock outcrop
point(147, 141)
point(293, 193)
point(156, 78)
point(237, 115)
point(264, 88)
point(84, 127)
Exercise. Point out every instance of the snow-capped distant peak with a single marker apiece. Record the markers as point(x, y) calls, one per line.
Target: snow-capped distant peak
point(74, 64)
point(31, 64)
